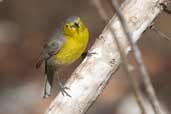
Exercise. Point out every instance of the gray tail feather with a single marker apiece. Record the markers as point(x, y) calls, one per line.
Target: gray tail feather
point(49, 74)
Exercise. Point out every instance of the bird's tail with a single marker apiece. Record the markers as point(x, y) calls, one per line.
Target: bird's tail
point(49, 74)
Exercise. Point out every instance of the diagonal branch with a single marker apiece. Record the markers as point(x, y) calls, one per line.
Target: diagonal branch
point(92, 75)
point(134, 83)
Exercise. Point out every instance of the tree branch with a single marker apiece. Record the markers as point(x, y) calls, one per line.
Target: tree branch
point(134, 83)
point(92, 75)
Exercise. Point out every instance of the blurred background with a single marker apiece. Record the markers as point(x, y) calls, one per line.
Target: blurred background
point(25, 25)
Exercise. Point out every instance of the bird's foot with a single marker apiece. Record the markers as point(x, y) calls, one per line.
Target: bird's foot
point(63, 89)
point(45, 95)
point(87, 53)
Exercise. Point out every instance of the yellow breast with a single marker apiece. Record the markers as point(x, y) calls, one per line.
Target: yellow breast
point(72, 49)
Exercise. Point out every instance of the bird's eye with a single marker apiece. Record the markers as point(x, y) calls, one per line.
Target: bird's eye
point(66, 26)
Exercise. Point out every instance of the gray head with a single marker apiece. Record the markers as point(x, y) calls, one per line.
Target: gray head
point(73, 25)
point(71, 19)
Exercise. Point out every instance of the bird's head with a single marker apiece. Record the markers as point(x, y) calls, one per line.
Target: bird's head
point(73, 25)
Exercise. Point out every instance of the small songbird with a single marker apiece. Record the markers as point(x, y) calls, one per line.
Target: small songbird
point(64, 47)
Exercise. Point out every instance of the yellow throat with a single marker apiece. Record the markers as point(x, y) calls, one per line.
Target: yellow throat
point(76, 40)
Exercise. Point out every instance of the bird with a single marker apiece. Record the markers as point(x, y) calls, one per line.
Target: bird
point(64, 47)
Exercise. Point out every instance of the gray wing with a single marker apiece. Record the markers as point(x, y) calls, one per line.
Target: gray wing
point(51, 48)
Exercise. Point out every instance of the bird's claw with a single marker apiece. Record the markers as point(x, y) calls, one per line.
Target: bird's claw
point(87, 54)
point(63, 89)
point(91, 53)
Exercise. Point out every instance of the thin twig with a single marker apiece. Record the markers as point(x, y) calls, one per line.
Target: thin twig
point(134, 85)
point(100, 10)
point(162, 35)
point(137, 54)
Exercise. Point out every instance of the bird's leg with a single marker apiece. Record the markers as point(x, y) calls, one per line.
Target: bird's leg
point(62, 88)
